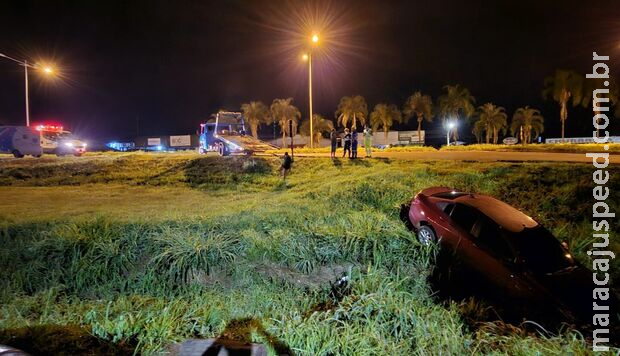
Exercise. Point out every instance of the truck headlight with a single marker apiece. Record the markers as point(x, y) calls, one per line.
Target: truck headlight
point(69, 144)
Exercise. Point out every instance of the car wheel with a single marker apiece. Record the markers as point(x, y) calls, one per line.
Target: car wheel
point(223, 149)
point(426, 235)
point(17, 154)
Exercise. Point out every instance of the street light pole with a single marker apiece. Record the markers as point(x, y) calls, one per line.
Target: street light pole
point(26, 65)
point(27, 96)
point(314, 40)
point(450, 125)
point(310, 98)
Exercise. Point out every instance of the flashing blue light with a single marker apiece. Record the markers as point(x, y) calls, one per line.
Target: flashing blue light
point(159, 148)
point(120, 146)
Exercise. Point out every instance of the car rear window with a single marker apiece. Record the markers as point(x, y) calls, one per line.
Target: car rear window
point(449, 195)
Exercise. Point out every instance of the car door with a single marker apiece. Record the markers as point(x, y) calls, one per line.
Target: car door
point(484, 250)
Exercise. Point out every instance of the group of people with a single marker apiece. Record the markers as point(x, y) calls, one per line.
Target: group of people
point(350, 142)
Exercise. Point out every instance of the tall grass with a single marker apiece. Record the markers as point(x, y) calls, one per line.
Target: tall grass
point(147, 283)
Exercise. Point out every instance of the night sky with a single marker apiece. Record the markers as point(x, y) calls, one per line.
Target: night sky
point(160, 67)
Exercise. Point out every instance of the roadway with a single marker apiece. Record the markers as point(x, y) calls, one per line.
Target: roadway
point(485, 156)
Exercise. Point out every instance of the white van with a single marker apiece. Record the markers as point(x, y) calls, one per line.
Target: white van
point(20, 141)
point(57, 141)
point(62, 143)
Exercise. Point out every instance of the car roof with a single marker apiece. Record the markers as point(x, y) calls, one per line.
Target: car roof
point(503, 214)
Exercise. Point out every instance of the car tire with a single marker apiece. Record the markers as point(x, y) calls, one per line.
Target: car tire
point(17, 154)
point(426, 235)
point(223, 150)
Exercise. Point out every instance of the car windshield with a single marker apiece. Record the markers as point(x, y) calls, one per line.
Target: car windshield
point(55, 136)
point(540, 250)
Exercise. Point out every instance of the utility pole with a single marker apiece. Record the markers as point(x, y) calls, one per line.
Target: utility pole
point(27, 99)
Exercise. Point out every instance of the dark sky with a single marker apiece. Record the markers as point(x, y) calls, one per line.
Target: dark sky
point(169, 64)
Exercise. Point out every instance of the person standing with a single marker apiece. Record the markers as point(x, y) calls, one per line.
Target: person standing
point(346, 140)
point(333, 137)
point(368, 141)
point(354, 144)
point(287, 162)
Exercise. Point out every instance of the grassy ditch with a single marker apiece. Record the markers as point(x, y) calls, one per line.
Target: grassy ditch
point(260, 258)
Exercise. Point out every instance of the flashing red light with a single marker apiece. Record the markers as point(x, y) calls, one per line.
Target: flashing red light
point(49, 128)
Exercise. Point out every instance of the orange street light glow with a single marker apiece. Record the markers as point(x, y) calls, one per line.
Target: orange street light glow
point(315, 38)
point(304, 57)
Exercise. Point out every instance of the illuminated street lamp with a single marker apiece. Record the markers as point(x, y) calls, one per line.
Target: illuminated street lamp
point(45, 69)
point(451, 125)
point(308, 58)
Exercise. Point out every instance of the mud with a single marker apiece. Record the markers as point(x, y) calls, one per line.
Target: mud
point(62, 340)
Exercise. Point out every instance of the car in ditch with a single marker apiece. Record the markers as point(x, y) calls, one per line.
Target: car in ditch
point(490, 249)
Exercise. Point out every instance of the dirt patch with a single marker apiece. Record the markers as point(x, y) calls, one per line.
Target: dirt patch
point(61, 340)
point(321, 276)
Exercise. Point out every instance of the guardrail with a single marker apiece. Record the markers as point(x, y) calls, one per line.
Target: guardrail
point(612, 139)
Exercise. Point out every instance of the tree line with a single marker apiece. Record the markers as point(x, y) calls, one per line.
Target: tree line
point(456, 104)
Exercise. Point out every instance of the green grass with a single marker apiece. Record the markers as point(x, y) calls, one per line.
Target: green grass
point(178, 246)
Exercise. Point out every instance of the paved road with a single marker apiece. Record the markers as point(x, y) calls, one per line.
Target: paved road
point(480, 156)
point(485, 156)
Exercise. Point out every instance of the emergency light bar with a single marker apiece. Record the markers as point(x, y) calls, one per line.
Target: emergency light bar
point(49, 128)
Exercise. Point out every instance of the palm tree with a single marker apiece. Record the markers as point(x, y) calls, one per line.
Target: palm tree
point(256, 113)
point(524, 121)
point(421, 106)
point(478, 130)
point(613, 95)
point(384, 116)
point(491, 119)
point(352, 108)
point(455, 103)
point(320, 125)
point(284, 113)
point(564, 86)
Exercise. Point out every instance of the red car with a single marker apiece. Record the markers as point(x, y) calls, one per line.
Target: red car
point(491, 249)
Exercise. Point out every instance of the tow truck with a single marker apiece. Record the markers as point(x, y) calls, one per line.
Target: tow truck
point(56, 140)
point(225, 134)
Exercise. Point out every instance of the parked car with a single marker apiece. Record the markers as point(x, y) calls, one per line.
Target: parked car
point(490, 249)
